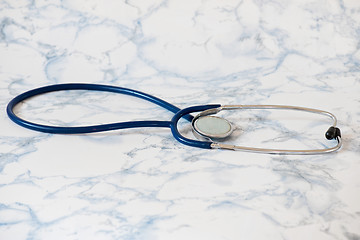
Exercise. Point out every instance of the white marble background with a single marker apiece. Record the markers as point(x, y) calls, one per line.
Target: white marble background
point(141, 183)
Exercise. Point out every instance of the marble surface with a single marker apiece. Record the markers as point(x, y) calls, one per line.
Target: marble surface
point(142, 183)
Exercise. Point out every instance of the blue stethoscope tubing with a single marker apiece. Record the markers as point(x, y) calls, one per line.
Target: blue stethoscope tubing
point(209, 109)
point(179, 113)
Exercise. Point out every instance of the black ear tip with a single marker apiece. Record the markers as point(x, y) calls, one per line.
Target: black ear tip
point(333, 133)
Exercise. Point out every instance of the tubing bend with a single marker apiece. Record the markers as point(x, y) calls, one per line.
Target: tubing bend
point(94, 128)
point(177, 135)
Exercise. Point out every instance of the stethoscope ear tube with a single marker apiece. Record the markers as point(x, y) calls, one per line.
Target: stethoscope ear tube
point(333, 132)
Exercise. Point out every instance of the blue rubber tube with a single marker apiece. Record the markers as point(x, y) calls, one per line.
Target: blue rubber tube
point(95, 128)
point(185, 113)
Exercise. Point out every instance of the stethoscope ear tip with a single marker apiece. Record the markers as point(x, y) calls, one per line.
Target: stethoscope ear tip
point(333, 133)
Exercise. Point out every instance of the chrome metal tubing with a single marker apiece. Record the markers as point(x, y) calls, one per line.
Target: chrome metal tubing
point(216, 145)
point(280, 107)
point(278, 151)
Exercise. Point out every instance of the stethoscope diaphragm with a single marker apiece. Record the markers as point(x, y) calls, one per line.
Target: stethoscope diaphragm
point(212, 127)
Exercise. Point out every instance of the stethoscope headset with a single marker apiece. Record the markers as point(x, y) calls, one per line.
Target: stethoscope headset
point(211, 129)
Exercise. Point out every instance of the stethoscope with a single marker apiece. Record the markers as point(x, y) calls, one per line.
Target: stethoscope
point(209, 129)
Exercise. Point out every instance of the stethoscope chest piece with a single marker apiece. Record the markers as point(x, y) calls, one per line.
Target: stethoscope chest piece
point(212, 127)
